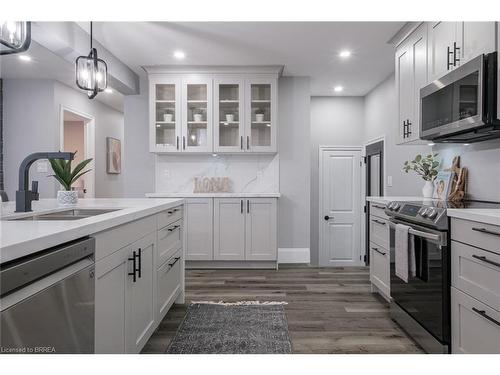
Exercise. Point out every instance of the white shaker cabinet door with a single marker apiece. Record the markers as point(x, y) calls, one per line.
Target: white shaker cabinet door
point(443, 39)
point(199, 229)
point(229, 229)
point(140, 294)
point(261, 229)
point(477, 38)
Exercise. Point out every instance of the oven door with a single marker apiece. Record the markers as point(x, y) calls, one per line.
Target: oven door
point(453, 103)
point(426, 295)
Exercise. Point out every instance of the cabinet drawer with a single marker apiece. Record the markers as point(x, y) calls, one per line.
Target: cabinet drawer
point(379, 231)
point(485, 236)
point(169, 241)
point(379, 268)
point(169, 216)
point(169, 283)
point(476, 272)
point(377, 209)
point(475, 327)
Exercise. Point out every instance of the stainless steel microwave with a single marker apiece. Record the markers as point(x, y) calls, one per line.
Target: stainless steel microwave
point(461, 107)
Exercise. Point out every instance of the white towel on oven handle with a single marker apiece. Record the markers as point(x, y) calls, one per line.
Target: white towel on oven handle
point(404, 261)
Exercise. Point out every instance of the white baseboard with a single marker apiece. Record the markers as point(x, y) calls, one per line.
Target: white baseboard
point(294, 255)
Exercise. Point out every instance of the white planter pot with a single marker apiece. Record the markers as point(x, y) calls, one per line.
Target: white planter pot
point(198, 118)
point(428, 189)
point(229, 117)
point(67, 198)
point(259, 117)
point(168, 117)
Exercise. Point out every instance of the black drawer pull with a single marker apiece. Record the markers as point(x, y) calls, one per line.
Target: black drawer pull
point(486, 316)
point(487, 231)
point(171, 229)
point(378, 206)
point(379, 222)
point(378, 251)
point(139, 269)
point(134, 267)
point(175, 261)
point(486, 260)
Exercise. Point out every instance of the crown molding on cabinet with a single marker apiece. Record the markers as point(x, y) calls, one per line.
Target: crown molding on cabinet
point(213, 69)
point(403, 33)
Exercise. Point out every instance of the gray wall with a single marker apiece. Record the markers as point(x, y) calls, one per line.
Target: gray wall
point(294, 152)
point(335, 121)
point(138, 163)
point(380, 119)
point(31, 124)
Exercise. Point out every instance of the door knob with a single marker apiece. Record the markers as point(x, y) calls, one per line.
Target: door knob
point(327, 217)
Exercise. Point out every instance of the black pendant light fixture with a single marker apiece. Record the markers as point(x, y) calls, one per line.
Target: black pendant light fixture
point(15, 37)
point(91, 72)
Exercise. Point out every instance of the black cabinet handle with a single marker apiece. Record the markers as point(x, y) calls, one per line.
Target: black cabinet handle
point(378, 251)
point(448, 63)
point(177, 142)
point(377, 206)
point(183, 142)
point(139, 269)
point(486, 316)
point(241, 205)
point(248, 206)
point(171, 229)
point(241, 142)
point(248, 142)
point(134, 267)
point(404, 129)
point(487, 231)
point(486, 260)
point(408, 128)
point(379, 222)
point(175, 261)
point(455, 49)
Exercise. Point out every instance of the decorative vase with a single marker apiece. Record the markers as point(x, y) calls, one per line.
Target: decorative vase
point(198, 118)
point(168, 117)
point(229, 117)
point(67, 198)
point(428, 189)
point(259, 117)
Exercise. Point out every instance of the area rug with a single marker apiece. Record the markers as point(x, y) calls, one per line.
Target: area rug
point(233, 328)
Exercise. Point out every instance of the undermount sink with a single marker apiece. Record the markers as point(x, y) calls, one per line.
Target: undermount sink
point(72, 214)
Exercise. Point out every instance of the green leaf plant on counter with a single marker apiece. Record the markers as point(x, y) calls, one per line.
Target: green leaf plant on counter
point(64, 174)
point(427, 167)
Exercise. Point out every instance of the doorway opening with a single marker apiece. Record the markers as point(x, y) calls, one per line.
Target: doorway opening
point(340, 206)
point(77, 134)
point(374, 177)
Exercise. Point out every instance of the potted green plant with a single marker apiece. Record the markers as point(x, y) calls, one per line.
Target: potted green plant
point(427, 168)
point(67, 176)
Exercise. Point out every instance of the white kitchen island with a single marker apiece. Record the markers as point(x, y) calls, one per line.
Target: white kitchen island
point(129, 305)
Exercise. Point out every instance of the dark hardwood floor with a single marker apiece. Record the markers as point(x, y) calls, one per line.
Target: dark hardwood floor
point(329, 310)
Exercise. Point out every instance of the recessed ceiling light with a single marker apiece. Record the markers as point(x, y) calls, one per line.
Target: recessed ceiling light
point(24, 58)
point(108, 90)
point(345, 53)
point(338, 88)
point(179, 55)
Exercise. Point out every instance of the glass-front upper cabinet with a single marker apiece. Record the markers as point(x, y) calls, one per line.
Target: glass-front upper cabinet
point(261, 115)
point(229, 127)
point(197, 115)
point(165, 115)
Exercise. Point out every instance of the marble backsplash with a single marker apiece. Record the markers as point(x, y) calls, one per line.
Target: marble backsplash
point(247, 173)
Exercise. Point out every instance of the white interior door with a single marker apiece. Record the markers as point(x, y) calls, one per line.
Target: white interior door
point(340, 207)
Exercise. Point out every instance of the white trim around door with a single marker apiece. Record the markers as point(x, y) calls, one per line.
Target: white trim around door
point(340, 221)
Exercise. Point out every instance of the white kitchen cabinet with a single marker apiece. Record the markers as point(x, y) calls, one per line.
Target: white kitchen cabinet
point(111, 274)
point(261, 229)
point(165, 114)
point(140, 294)
point(199, 214)
point(229, 115)
point(197, 125)
point(411, 76)
point(169, 279)
point(379, 250)
point(476, 38)
point(444, 48)
point(261, 115)
point(229, 229)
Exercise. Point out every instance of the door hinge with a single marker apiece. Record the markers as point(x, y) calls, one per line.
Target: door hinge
point(364, 209)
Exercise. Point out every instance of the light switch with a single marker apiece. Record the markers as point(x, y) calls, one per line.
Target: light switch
point(42, 166)
point(389, 181)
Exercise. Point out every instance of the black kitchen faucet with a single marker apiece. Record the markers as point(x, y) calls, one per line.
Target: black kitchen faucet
point(24, 196)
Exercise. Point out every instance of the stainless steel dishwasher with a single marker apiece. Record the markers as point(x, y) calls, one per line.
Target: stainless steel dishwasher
point(47, 301)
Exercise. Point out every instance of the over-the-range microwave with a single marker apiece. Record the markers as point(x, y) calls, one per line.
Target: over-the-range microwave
point(461, 107)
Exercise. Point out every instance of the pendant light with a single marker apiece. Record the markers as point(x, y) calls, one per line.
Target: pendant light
point(15, 36)
point(91, 72)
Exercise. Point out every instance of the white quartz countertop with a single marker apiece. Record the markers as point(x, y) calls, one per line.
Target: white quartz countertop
point(481, 215)
point(213, 195)
point(387, 199)
point(19, 238)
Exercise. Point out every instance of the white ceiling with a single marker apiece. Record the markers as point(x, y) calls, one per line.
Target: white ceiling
point(304, 48)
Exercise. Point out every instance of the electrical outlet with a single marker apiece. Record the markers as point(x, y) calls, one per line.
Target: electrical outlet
point(389, 181)
point(42, 166)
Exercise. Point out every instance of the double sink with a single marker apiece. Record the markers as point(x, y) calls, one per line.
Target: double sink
point(71, 214)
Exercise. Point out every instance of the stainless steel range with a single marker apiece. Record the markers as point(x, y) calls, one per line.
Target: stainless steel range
point(421, 306)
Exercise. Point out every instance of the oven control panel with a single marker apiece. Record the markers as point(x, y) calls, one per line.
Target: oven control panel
point(418, 212)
